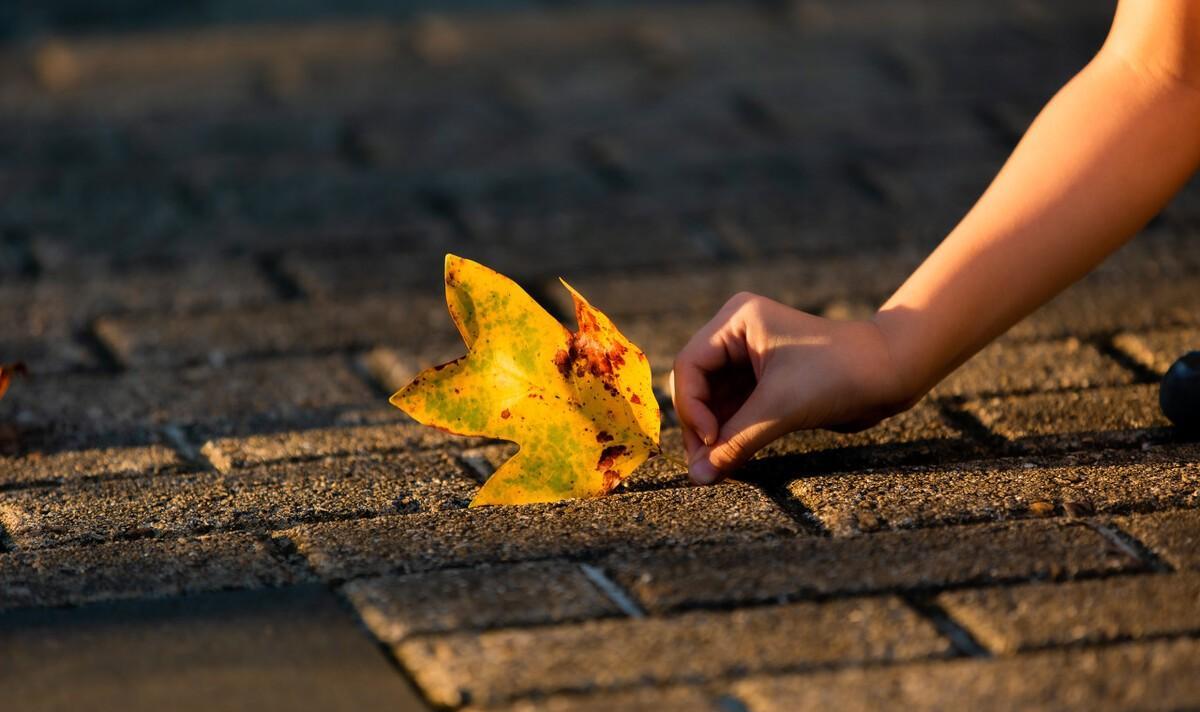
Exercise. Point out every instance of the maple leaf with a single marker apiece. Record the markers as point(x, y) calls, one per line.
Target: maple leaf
point(6, 373)
point(579, 405)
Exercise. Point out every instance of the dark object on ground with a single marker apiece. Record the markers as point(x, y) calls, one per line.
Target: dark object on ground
point(1179, 395)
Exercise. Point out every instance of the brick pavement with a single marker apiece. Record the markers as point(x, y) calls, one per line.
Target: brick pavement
point(220, 250)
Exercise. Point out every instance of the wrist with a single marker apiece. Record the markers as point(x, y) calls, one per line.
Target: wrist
point(906, 385)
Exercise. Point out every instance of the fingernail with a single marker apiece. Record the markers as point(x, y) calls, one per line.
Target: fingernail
point(702, 472)
point(709, 439)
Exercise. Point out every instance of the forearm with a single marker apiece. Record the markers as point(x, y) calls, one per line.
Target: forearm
point(1104, 157)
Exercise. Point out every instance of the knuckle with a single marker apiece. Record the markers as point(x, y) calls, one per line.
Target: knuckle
point(741, 299)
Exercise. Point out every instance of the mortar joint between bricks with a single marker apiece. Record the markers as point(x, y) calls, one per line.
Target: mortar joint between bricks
point(107, 358)
point(791, 505)
point(1130, 545)
point(960, 638)
point(188, 450)
point(17, 238)
point(286, 288)
point(718, 239)
point(387, 650)
point(283, 549)
point(612, 591)
point(446, 207)
point(969, 424)
point(6, 542)
point(539, 289)
point(1107, 347)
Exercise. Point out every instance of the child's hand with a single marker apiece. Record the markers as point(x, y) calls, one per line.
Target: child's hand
point(760, 369)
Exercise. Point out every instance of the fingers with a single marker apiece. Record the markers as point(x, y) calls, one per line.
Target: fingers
point(752, 427)
point(717, 344)
point(690, 394)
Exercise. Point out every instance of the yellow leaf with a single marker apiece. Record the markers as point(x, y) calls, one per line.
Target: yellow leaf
point(580, 405)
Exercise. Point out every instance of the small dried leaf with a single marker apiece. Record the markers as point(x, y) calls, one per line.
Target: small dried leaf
point(1041, 509)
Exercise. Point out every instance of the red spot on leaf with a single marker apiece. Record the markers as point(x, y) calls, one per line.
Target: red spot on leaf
point(635, 400)
point(505, 414)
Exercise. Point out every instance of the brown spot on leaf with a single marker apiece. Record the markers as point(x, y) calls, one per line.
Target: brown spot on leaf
point(611, 479)
point(562, 359)
point(505, 414)
point(603, 437)
point(616, 355)
point(609, 456)
point(587, 320)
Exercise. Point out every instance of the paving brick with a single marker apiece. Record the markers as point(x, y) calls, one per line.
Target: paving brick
point(1105, 482)
point(394, 368)
point(919, 434)
point(76, 408)
point(803, 282)
point(51, 348)
point(460, 668)
point(1099, 416)
point(1157, 350)
point(69, 465)
point(649, 699)
point(1008, 367)
point(671, 579)
point(1151, 675)
point(1175, 536)
point(78, 294)
point(398, 607)
point(297, 327)
point(729, 512)
point(1009, 620)
point(540, 243)
point(233, 453)
point(341, 275)
point(141, 569)
point(270, 497)
point(289, 648)
point(1102, 305)
point(932, 195)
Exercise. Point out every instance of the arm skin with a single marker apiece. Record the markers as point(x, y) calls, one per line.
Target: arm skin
point(1103, 157)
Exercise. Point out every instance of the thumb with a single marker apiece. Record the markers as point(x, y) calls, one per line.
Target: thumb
point(754, 425)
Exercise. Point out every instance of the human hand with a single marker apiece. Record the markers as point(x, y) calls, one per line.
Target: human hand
point(760, 369)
